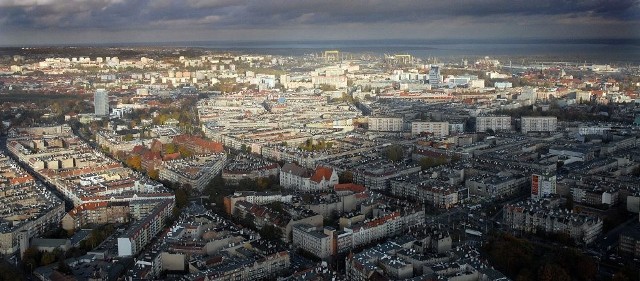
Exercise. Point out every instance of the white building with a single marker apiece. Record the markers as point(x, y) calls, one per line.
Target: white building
point(539, 124)
point(101, 102)
point(312, 240)
point(495, 123)
point(296, 177)
point(385, 124)
point(436, 128)
point(542, 185)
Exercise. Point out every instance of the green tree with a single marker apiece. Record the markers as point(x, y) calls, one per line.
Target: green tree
point(394, 152)
point(270, 232)
point(128, 137)
point(429, 162)
point(249, 221)
point(31, 258)
point(182, 198)
point(170, 148)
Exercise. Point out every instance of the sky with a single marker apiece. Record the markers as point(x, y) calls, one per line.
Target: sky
point(42, 22)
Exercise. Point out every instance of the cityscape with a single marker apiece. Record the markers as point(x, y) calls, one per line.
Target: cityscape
point(268, 155)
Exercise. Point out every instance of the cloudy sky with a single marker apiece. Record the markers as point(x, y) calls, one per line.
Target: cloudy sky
point(121, 21)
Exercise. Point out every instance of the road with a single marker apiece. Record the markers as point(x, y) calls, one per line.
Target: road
point(68, 204)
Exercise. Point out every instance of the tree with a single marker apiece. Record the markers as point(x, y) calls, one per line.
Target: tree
point(429, 162)
point(270, 232)
point(182, 199)
point(185, 152)
point(47, 258)
point(64, 268)
point(31, 258)
point(248, 220)
point(552, 272)
point(170, 148)
point(135, 162)
point(345, 177)
point(154, 174)
point(394, 152)
point(8, 272)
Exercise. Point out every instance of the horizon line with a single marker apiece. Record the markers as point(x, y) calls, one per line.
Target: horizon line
point(436, 41)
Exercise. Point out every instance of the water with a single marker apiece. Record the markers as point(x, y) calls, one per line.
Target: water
point(598, 50)
point(619, 51)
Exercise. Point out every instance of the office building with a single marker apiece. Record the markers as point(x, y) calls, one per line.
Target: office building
point(101, 102)
point(434, 76)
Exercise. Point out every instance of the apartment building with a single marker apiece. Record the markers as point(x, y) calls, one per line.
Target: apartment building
point(546, 216)
point(386, 124)
point(439, 129)
point(495, 123)
point(539, 124)
point(142, 231)
point(196, 171)
point(314, 240)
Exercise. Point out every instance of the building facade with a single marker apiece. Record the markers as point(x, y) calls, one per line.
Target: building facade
point(101, 102)
point(439, 129)
point(539, 124)
point(495, 123)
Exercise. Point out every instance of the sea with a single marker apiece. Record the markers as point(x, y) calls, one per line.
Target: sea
point(620, 51)
point(615, 51)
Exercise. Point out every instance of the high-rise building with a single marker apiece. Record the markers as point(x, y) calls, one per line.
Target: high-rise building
point(434, 76)
point(101, 102)
point(542, 185)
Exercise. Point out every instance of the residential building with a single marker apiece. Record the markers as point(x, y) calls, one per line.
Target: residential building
point(495, 123)
point(438, 129)
point(542, 185)
point(546, 216)
point(318, 242)
point(299, 178)
point(386, 124)
point(140, 233)
point(539, 124)
point(629, 243)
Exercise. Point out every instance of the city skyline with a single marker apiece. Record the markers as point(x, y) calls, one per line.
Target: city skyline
point(122, 21)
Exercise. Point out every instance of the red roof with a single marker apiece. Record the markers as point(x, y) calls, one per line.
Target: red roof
point(357, 188)
point(322, 173)
point(171, 156)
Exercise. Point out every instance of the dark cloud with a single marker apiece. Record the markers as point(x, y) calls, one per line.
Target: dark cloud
point(222, 15)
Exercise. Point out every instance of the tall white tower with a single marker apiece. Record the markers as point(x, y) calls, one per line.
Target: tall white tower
point(101, 102)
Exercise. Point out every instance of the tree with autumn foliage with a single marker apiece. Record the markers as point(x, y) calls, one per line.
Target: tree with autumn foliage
point(135, 162)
